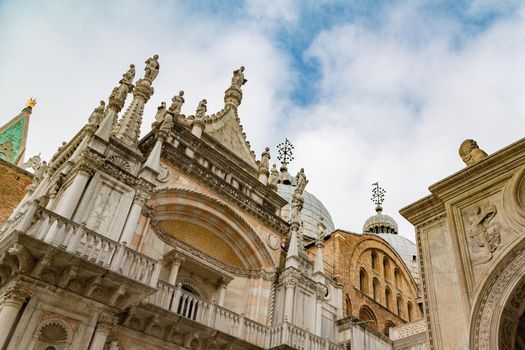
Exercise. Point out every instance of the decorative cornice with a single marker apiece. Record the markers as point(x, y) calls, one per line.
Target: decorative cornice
point(196, 171)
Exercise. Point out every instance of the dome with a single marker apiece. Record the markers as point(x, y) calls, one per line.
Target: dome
point(380, 223)
point(405, 248)
point(312, 210)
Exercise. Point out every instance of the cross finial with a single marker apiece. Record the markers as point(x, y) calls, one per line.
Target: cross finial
point(285, 151)
point(378, 196)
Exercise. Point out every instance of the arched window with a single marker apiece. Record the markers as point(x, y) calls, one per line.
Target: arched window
point(363, 281)
point(348, 306)
point(399, 303)
point(366, 314)
point(375, 261)
point(376, 289)
point(410, 311)
point(386, 268)
point(388, 324)
point(397, 279)
point(388, 298)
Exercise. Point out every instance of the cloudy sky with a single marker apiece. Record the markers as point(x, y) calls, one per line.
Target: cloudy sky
point(366, 90)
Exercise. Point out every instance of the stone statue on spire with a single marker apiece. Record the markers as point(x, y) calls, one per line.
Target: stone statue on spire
point(96, 117)
point(152, 68)
point(201, 110)
point(161, 112)
point(129, 75)
point(119, 93)
point(238, 78)
point(301, 181)
point(274, 176)
point(177, 102)
point(265, 159)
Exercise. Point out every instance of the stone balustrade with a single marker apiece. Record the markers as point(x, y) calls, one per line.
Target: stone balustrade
point(89, 245)
point(218, 318)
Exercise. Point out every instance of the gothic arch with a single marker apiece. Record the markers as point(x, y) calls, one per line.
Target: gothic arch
point(197, 209)
point(499, 302)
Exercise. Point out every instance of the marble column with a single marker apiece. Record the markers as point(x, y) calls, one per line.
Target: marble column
point(12, 302)
point(288, 300)
point(318, 314)
point(133, 219)
point(222, 294)
point(100, 336)
point(175, 270)
point(69, 200)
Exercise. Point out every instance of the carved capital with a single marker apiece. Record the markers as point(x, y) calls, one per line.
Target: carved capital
point(15, 296)
point(106, 322)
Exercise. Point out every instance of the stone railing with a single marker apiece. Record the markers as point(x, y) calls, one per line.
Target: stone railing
point(408, 329)
point(208, 313)
point(218, 318)
point(76, 239)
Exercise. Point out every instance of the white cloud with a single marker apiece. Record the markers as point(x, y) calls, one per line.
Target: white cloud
point(395, 100)
point(69, 55)
point(396, 110)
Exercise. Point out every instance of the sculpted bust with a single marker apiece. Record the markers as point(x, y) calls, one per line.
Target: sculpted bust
point(470, 152)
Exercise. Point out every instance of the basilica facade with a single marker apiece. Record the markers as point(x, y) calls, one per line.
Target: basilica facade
point(184, 239)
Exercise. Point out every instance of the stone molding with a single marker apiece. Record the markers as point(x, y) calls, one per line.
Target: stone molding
point(408, 330)
point(504, 282)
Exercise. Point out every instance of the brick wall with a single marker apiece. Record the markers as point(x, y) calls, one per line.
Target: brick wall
point(13, 181)
point(346, 254)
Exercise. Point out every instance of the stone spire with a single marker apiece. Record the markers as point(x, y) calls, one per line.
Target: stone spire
point(13, 135)
point(116, 103)
point(319, 244)
point(128, 128)
point(295, 247)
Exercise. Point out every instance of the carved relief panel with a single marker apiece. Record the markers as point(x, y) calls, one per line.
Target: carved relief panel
point(105, 206)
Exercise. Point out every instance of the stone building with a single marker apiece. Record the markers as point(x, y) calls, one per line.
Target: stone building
point(183, 240)
point(470, 239)
point(379, 288)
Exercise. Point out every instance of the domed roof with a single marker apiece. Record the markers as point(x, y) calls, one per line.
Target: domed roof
point(312, 210)
point(405, 248)
point(380, 223)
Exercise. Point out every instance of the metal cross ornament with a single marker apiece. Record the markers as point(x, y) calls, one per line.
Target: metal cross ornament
point(285, 150)
point(378, 194)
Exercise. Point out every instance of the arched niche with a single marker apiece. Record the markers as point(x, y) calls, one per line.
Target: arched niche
point(210, 227)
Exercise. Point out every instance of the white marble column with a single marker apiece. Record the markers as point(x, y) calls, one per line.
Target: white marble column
point(12, 302)
point(133, 219)
point(69, 200)
point(288, 300)
point(221, 294)
point(318, 314)
point(100, 336)
point(174, 270)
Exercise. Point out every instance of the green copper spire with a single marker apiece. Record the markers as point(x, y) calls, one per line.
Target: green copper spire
point(13, 136)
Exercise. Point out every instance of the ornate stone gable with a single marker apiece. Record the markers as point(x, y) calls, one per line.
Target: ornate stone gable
point(225, 127)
